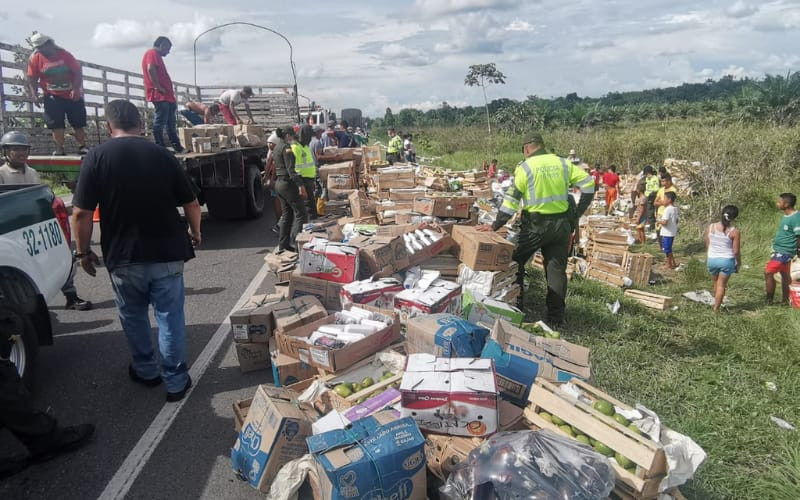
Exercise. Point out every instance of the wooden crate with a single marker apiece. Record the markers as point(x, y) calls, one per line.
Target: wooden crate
point(606, 273)
point(240, 409)
point(646, 454)
point(651, 300)
point(638, 266)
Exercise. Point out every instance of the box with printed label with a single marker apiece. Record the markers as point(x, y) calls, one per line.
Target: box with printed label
point(489, 283)
point(394, 178)
point(519, 357)
point(336, 194)
point(445, 335)
point(348, 461)
point(445, 206)
point(327, 292)
point(341, 181)
point(293, 313)
point(441, 296)
point(456, 396)
point(361, 205)
point(478, 308)
point(273, 433)
point(252, 356)
point(482, 251)
point(287, 370)
point(381, 255)
point(379, 292)
point(252, 324)
point(294, 343)
point(342, 168)
point(329, 260)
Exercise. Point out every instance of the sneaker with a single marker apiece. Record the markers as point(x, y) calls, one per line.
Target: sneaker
point(77, 303)
point(147, 382)
point(174, 397)
point(66, 439)
point(82, 150)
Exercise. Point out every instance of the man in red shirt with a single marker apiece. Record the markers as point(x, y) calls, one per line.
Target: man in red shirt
point(159, 91)
point(611, 182)
point(60, 77)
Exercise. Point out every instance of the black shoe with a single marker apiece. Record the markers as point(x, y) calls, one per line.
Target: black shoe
point(77, 303)
point(174, 397)
point(147, 382)
point(65, 440)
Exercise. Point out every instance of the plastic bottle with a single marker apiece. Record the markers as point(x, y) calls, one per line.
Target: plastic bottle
point(412, 276)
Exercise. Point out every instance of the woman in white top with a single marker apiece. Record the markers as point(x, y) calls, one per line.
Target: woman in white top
point(722, 241)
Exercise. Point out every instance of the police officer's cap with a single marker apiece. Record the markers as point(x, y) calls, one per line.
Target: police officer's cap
point(533, 138)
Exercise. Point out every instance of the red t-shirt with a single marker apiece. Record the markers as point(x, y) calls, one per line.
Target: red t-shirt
point(153, 95)
point(610, 179)
point(55, 74)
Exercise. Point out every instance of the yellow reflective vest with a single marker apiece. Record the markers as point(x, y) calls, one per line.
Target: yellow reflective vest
point(304, 161)
point(541, 185)
point(395, 144)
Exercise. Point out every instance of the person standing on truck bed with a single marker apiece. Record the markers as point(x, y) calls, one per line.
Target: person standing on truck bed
point(137, 186)
point(15, 170)
point(198, 113)
point(159, 91)
point(228, 101)
point(291, 191)
point(59, 75)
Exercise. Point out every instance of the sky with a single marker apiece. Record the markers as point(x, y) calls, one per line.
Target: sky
point(416, 53)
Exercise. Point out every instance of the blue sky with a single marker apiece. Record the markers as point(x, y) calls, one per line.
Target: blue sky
point(416, 52)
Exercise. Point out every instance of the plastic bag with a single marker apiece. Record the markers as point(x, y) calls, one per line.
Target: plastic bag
point(533, 465)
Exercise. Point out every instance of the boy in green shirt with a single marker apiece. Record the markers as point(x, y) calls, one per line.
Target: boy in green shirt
point(784, 247)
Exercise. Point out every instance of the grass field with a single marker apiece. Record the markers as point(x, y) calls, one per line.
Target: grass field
point(706, 375)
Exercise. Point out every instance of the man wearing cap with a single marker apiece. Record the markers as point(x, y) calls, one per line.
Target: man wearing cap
point(60, 77)
point(231, 98)
point(316, 147)
point(159, 91)
point(541, 186)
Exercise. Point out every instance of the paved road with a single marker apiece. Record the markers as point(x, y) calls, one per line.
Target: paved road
point(83, 377)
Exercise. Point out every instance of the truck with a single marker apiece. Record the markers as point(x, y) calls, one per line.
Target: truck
point(35, 262)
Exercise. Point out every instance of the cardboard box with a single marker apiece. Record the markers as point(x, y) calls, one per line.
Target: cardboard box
point(441, 296)
point(445, 335)
point(240, 409)
point(252, 324)
point(381, 255)
point(395, 229)
point(478, 308)
point(186, 133)
point(443, 453)
point(256, 130)
point(327, 292)
point(458, 207)
point(252, 356)
point(488, 283)
point(328, 260)
point(369, 220)
point(378, 293)
point(273, 433)
point(482, 251)
point(381, 443)
point(341, 181)
point(361, 205)
point(407, 194)
point(456, 396)
point(340, 194)
point(293, 343)
point(520, 357)
point(342, 168)
point(482, 194)
point(394, 178)
point(442, 244)
point(297, 312)
point(287, 370)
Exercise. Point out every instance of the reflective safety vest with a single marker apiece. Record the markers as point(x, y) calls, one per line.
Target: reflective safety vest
point(304, 161)
point(541, 185)
point(652, 184)
point(395, 144)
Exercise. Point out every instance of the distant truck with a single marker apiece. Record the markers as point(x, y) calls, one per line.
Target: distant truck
point(35, 262)
point(353, 117)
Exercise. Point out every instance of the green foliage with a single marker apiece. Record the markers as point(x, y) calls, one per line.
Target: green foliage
point(783, 481)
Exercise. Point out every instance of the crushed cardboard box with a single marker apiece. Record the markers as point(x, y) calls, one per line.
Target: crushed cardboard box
point(441, 296)
point(445, 335)
point(482, 251)
point(327, 292)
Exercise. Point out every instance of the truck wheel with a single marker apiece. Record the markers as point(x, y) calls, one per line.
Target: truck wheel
point(256, 197)
point(18, 342)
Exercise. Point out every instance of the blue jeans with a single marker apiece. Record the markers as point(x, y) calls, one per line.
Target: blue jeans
point(136, 286)
point(192, 117)
point(165, 117)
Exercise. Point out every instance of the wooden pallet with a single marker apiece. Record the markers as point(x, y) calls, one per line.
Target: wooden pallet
point(646, 454)
point(638, 266)
point(651, 300)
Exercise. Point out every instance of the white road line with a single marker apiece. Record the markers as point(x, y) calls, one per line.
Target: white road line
point(125, 476)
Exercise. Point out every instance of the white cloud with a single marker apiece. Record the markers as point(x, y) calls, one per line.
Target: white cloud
point(433, 8)
point(37, 15)
point(741, 9)
point(397, 53)
point(519, 25)
point(3, 15)
point(595, 44)
point(122, 34)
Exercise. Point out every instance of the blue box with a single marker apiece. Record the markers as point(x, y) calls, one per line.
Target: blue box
point(445, 336)
point(376, 457)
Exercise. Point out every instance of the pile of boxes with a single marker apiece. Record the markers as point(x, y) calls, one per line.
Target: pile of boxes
point(213, 138)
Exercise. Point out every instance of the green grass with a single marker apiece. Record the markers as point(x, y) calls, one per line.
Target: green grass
point(704, 374)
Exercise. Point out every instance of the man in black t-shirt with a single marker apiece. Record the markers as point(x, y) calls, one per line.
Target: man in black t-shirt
point(138, 186)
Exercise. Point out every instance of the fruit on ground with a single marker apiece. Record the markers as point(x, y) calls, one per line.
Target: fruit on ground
point(604, 407)
point(603, 449)
point(624, 461)
point(343, 390)
point(546, 416)
point(557, 420)
point(620, 419)
point(566, 429)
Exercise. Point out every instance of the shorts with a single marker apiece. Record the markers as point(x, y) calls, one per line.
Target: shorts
point(721, 265)
point(779, 263)
point(55, 108)
point(666, 244)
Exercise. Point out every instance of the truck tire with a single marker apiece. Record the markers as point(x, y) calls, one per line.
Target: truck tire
point(18, 342)
point(256, 196)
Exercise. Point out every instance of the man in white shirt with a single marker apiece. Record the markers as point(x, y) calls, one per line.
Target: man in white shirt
point(228, 101)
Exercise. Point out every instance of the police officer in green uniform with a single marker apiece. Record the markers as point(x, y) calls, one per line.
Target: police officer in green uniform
point(549, 216)
point(394, 147)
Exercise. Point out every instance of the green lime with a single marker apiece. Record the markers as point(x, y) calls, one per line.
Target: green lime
point(546, 416)
point(558, 421)
point(583, 438)
point(343, 390)
point(623, 461)
point(603, 449)
point(604, 407)
point(620, 419)
point(567, 429)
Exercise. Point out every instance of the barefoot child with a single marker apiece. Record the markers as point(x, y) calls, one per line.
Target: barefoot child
point(669, 227)
point(784, 247)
